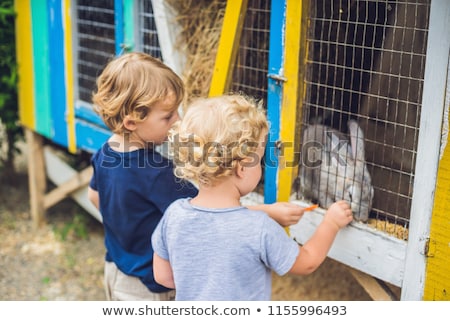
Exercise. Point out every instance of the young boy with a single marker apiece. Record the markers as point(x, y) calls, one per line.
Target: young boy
point(138, 97)
point(210, 247)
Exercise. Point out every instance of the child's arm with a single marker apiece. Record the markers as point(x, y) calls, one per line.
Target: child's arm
point(315, 250)
point(93, 197)
point(284, 213)
point(162, 272)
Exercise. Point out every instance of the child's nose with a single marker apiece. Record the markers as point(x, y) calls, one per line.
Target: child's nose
point(176, 116)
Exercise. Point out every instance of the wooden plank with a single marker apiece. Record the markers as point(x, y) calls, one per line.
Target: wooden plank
point(85, 112)
point(371, 286)
point(437, 281)
point(130, 23)
point(57, 73)
point(359, 246)
point(228, 46)
point(41, 74)
point(59, 172)
point(274, 98)
point(119, 26)
point(69, 83)
point(36, 177)
point(24, 51)
point(288, 123)
point(429, 141)
point(168, 31)
point(90, 137)
point(78, 181)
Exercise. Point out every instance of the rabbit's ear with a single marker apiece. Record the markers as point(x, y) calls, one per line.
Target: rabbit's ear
point(356, 140)
point(334, 141)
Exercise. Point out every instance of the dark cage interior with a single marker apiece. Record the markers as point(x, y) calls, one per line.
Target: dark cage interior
point(96, 42)
point(250, 70)
point(366, 62)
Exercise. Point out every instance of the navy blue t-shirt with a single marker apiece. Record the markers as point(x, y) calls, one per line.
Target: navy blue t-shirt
point(135, 188)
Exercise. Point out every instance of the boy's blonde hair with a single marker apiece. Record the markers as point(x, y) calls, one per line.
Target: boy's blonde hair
point(130, 84)
point(214, 135)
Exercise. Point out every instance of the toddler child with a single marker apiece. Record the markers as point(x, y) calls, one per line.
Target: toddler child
point(209, 247)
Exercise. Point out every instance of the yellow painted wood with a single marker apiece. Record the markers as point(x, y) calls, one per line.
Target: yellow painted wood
point(228, 46)
point(24, 56)
point(71, 144)
point(437, 277)
point(290, 112)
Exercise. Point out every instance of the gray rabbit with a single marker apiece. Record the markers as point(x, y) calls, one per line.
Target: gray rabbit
point(333, 168)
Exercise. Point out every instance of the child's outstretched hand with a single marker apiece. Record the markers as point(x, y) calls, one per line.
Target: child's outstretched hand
point(285, 213)
point(339, 214)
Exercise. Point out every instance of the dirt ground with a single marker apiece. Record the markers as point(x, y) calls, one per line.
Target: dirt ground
point(64, 259)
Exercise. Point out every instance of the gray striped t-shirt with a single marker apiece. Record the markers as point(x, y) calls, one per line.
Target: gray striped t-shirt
point(222, 254)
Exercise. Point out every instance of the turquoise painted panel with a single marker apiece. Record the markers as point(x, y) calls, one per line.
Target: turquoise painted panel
point(130, 23)
point(118, 19)
point(41, 68)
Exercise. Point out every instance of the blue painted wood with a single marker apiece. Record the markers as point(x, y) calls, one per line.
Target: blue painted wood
point(274, 97)
point(119, 24)
point(84, 111)
point(89, 136)
point(57, 73)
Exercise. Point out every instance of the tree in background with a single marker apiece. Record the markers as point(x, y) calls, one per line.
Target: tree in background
point(8, 91)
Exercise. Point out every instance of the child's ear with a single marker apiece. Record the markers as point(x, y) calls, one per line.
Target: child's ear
point(240, 170)
point(129, 123)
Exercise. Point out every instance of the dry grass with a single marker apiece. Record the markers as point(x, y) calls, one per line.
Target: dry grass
point(201, 24)
point(395, 230)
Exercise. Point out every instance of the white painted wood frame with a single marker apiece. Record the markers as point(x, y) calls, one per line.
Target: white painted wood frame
point(168, 30)
point(428, 150)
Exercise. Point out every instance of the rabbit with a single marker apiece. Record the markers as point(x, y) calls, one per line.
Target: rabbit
point(333, 168)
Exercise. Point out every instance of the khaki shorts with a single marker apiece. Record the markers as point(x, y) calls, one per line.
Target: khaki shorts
point(122, 287)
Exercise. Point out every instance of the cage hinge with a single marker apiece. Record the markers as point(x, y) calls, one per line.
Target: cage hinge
point(278, 78)
point(429, 247)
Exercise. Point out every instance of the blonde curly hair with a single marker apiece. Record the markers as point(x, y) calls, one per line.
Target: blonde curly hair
point(216, 134)
point(130, 84)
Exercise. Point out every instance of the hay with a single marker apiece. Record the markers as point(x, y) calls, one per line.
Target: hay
point(200, 23)
point(399, 231)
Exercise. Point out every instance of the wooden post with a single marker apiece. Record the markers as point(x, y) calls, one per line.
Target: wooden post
point(36, 177)
point(228, 46)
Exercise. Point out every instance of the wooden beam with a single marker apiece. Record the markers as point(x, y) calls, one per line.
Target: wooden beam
point(358, 246)
point(293, 89)
point(36, 177)
point(428, 161)
point(64, 190)
point(228, 46)
point(60, 172)
point(376, 291)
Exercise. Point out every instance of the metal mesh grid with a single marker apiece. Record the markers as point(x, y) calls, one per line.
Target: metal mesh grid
point(251, 68)
point(96, 35)
point(147, 30)
point(250, 72)
point(366, 62)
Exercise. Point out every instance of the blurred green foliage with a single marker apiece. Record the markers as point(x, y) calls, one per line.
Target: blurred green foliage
point(9, 114)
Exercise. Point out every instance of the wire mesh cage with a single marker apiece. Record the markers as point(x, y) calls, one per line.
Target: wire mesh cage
point(250, 72)
point(96, 42)
point(366, 62)
point(148, 34)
